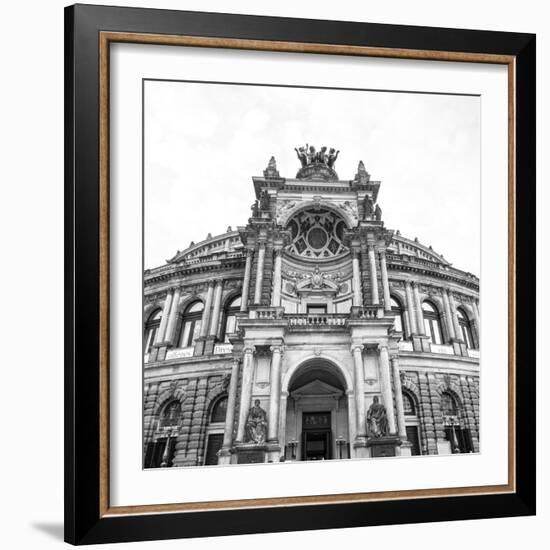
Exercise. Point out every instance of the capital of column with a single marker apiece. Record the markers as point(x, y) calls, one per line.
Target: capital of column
point(355, 252)
point(211, 282)
point(357, 347)
point(276, 349)
point(278, 250)
point(249, 350)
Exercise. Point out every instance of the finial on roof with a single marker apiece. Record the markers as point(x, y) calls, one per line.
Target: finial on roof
point(271, 170)
point(362, 175)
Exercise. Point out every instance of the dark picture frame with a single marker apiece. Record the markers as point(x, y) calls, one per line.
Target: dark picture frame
point(88, 32)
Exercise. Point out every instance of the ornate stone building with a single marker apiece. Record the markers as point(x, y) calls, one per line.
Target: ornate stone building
point(313, 332)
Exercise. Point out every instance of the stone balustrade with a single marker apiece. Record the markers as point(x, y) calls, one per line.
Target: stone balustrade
point(317, 319)
point(366, 312)
point(266, 313)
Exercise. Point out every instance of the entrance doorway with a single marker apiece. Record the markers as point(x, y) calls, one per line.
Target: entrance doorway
point(317, 423)
point(316, 436)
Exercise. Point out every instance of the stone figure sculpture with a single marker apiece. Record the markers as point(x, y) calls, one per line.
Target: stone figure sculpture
point(256, 424)
point(301, 152)
point(264, 200)
point(309, 155)
point(377, 419)
point(368, 207)
point(332, 156)
point(377, 213)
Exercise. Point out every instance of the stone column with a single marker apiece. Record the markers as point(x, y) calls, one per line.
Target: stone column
point(357, 294)
point(373, 276)
point(385, 379)
point(217, 307)
point(164, 321)
point(458, 332)
point(246, 281)
point(171, 326)
point(448, 316)
point(475, 309)
point(357, 351)
point(246, 390)
point(410, 308)
point(231, 401)
point(401, 429)
point(275, 394)
point(259, 275)
point(276, 294)
point(418, 307)
point(206, 310)
point(385, 281)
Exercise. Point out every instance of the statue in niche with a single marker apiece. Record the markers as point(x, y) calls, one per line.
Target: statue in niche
point(368, 207)
point(377, 419)
point(377, 213)
point(301, 152)
point(256, 424)
point(255, 210)
point(332, 156)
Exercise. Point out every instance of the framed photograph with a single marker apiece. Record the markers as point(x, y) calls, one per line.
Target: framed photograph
point(299, 274)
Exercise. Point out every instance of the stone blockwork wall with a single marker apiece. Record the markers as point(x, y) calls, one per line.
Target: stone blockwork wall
point(196, 395)
point(427, 389)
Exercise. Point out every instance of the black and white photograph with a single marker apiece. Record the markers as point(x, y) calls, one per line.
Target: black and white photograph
point(311, 264)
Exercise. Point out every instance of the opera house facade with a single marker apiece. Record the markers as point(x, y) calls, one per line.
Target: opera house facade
point(312, 332)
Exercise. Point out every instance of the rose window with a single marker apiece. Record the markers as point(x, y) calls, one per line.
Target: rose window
point(316, 234)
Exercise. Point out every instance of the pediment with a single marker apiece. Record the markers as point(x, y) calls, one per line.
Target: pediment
point(317, 388)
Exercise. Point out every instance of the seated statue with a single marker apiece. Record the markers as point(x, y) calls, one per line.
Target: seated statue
point(377, 419)
point(256, 424)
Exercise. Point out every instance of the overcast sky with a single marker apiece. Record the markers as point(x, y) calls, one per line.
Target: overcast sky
point(203, 143)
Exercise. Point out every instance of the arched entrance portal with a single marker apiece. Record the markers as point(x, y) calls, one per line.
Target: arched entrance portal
point(317, 413)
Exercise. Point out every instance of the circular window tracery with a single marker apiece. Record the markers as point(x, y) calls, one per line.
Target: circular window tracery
point(317, 234)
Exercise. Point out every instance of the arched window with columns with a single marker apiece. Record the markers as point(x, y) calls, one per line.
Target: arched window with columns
point(161, 449)
point(214, 430)
point(456, 431)
point(465, 327)
point(397, 310)
point(151, 328)
point(191, 324)
point(230, 318)
point(432, 322)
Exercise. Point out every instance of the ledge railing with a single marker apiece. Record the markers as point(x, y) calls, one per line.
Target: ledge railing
point(316, 319)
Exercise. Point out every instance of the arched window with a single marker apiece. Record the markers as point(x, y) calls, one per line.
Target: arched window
point(408, 404)
point(151, 328)
point(456, 431)
point(191, 327)
point(160, 451)
point(449, 406)
point(432, 322)
point(397, 310)
point(465, 327)
point(219, 410)
point(230, 314)
point(214, 431)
